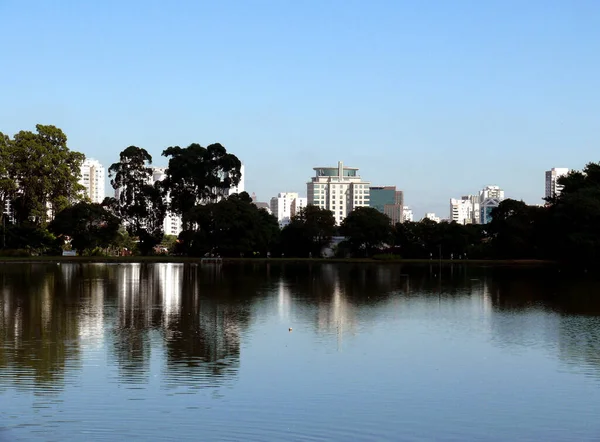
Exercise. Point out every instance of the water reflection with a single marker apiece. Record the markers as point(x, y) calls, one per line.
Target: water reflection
point(189, 321)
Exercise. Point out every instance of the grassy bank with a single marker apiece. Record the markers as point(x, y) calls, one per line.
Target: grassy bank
point(184, 259)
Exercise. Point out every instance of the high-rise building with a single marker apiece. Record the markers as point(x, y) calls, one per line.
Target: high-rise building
point(489, 198)
point(285, 205)
point(465, 210)
point(552, 187)
point(461, 210)
point(407, 214)
point(387, 200)
point(338, 189)
point(93, 178)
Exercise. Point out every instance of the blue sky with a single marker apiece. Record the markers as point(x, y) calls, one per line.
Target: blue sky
point(436, 97)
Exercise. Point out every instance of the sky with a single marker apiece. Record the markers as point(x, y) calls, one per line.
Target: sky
point(436, 97)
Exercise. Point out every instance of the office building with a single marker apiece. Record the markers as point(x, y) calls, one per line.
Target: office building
point(552, 187)
point(387, 200)
point(338, 189)
point(93, 179)
point(407, 214)
point(489, 198)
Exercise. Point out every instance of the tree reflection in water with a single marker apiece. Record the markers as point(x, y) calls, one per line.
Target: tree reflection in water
point(186, 323)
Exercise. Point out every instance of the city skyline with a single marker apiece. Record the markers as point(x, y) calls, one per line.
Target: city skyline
point(456, 204)
point(437, 101)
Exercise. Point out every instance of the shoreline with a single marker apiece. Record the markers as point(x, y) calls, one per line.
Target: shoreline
point(194, 260)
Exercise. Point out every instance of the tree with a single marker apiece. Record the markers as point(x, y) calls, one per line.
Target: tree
point(8, 186)
point(513, 230)
point(198, 175)
point(308, 232)
point(574, 216)
point(140, 204)
point(231, 227)
point(88, 225)
point(46, 171)
point(366, 229)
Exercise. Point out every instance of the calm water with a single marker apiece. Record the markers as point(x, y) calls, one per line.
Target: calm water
point(188, 352)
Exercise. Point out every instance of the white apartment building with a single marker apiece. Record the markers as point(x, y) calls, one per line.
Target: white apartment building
point(93, 178)
point(552, 175)
point(285, 205)
point(432, 217)
point(297, 205)
point(338, 189)
point(465, 210)
point(461, 210)
point(407, 214)
point(489, 198)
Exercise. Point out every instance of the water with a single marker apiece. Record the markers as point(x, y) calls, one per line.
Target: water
point(190, 352)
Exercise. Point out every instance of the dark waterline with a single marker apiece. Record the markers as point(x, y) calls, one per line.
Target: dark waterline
point(197, 352)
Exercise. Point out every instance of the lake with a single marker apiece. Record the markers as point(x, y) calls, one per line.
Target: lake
point(297, 352)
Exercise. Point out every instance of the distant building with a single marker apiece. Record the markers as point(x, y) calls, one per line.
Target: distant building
point(284, 204)
point(465, 210)
point(387, 200)
point(339, 189)
point(552, 187)
point(489, 198)
point(407, 214)
point(260, 204)
point(241, 185)
point(93, 178)
point(297, 205)
point(432, 217)
point(461, 210)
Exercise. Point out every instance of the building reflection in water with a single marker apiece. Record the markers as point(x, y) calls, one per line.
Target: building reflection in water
point(189, 320)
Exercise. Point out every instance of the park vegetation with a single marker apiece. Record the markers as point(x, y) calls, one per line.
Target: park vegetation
point(46, 212)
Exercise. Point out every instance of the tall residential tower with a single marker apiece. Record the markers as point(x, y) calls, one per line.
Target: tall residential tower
point(93, 179)
point(552, 187)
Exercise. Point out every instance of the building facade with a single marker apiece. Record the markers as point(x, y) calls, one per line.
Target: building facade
point(407, 214)
point(552, 187)
point(338, 189)
point(388, 200)
point(285, 205)
point(93, 178)
point(489, 198)
point(297, 205)
point(465, 210)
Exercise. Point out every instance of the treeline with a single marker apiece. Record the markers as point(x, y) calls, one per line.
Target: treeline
point(49, 213)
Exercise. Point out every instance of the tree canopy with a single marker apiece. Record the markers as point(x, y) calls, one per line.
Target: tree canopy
point(198, 175)
point(366, 230)
point(44, 169)
point(232, 227)
point(87, 225)
point(308, 232)
point(139, 203)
